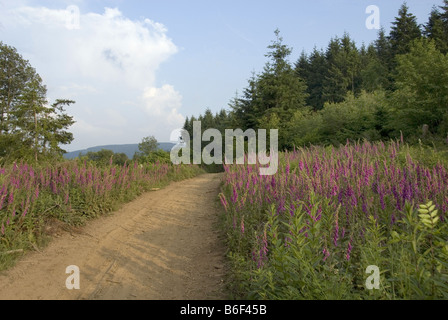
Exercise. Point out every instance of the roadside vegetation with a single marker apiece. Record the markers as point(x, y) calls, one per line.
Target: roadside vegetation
point(363, 141)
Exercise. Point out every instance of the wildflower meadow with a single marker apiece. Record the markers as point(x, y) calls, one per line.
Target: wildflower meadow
point(329, 215)
point(70, 192)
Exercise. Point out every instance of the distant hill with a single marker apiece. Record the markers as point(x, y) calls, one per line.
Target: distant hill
point(128, 149)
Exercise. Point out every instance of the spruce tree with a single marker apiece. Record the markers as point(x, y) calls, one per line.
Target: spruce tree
point(383, 47)
point(334, 88)
point(279, 90)
point(374, 74)
point(437, 27)
point(344, 69)
point(313, 69)
point(404, 31)
point(244, 107)
point(302, 67)
point(444, 13)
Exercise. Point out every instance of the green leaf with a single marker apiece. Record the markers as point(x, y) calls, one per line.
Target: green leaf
point(427, 223)
point(395, 235)
point(414, 245)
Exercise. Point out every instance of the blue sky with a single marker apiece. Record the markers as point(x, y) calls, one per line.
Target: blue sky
point(140, 67)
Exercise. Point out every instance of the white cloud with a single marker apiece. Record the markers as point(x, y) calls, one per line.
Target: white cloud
point(164, 103)
point(78, 88)
point(106, 47)
point(116, 118)
point(92, 133)
point(159, 100)
point(101, 64)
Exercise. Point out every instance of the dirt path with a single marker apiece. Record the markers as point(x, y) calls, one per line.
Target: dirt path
point(163, 245)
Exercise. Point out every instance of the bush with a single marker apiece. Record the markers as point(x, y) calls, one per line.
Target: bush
point(356, 118)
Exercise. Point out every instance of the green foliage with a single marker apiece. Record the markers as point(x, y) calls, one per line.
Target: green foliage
point(437, 28)
point(150, 152)
point(292, 236)
point(30, 129)
point(422, 95)
point(353, 119)
point(105, 157)
point(329, 95)
point(418, 253)
point(273, 96)
point(298, 269)
point(344, 66)
point(243, 108)
point(375, 73)
point(304, 128)
point(312, 70)
point(147, 146)
point(426, 155)
point(404, 31)
point(412, 258)
point(159, 156)
point(385, 57)
point(279, 90)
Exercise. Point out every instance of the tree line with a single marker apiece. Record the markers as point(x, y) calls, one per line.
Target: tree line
point(394, 86)
point(148, 152)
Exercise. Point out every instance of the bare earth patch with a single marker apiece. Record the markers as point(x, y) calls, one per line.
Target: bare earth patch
point(162, 246)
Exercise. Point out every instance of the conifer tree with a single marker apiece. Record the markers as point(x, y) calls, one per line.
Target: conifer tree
point(437, 27)
point(404, 31)
point(279, 91)
point(344, 67)
point(313, 69)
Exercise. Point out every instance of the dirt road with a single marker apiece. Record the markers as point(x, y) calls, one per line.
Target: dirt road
point(163, 245)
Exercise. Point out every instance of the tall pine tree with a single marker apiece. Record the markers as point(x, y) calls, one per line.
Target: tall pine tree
point(374, 74)
point(404, 31)
point(437, 28)
point(313, 69)
point(344, 69)
point(245, 107)
point(279, 91)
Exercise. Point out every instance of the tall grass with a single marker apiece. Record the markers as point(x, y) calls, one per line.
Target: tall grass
point(311, 230)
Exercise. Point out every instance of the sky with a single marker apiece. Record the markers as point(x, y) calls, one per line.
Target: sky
point(138, 68)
